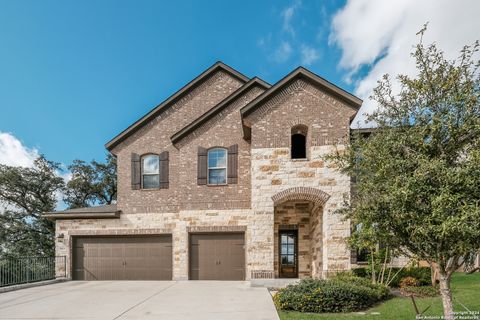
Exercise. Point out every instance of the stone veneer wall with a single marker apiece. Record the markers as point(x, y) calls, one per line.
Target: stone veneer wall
point(258, 228)
point(273, 171)
point(316, 236)
point(297, 216)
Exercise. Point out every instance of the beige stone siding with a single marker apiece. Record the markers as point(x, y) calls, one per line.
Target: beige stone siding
point(257, 228)
point(273, 171)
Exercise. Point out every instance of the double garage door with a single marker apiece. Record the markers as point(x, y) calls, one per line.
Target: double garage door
point(219, 256)
point(123, 258)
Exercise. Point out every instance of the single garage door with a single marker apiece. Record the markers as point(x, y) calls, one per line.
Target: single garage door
point(123, 258)
point(217, 256)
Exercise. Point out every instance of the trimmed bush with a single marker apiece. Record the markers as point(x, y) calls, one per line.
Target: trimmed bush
point(422, 274)
point(340, 294)
point(424, 291)
point(362, 272)
point(382, 291)
point(408, 282)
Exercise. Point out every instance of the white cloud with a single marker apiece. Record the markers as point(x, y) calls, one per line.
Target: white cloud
point(283, 52)
point(287, 15)
point(381, 35)
point(14, 153)
point(309, 55)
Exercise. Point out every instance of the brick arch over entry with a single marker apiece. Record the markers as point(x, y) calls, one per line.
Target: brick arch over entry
point(317, 196)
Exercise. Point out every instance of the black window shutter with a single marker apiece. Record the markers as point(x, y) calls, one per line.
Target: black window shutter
point(202, 166)
point(164, 170)
point(232, 167)
point(136, 172)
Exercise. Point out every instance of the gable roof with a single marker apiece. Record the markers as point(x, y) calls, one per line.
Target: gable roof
point(184, 132)
point(302, 73)
point(172, 99)
point(299, 73)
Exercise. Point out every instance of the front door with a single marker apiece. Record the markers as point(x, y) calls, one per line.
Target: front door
point(288, 254)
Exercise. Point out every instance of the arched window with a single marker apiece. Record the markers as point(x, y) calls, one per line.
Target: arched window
point(217, 166)
point(299, 142)
point(150, 171)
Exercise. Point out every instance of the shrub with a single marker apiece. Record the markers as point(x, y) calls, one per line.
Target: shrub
point(339, 294)
point(424, 291)
point(422, 274)
point(408, 282)
point(382, 291)
point(362, 272)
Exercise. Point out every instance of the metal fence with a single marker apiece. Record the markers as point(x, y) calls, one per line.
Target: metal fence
point(31, 269)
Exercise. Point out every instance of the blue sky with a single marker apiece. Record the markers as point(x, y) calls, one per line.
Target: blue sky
point(73, 74)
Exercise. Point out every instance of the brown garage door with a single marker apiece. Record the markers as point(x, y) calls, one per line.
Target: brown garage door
point(217, 256)
point(123, 258)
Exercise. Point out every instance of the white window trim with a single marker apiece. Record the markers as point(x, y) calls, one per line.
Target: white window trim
point(149, 174)
point(212, 168)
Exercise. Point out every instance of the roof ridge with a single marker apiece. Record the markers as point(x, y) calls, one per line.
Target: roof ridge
point(192, 126)
point(351, 99)
point(172, 99)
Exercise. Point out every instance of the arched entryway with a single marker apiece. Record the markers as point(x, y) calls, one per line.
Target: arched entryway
point(298, 245)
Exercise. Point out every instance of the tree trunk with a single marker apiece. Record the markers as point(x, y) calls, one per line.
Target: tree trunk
point(434, 273)
point(374, 277)
point(446, 294)
point(384, 265)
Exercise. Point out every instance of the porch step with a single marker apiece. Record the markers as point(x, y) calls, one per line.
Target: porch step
point(273, 283)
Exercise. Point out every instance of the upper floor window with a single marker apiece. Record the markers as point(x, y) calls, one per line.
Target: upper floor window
point(299, 142)
point(150, 171)
point(217, 166)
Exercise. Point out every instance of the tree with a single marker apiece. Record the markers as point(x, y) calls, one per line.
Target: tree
point(418, 172)
point(367, 237)
point(26, 193)
point(92, 183)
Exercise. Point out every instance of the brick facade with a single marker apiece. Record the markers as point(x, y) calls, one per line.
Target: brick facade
point(327, 119)
point(155, 138)
point(272, 189)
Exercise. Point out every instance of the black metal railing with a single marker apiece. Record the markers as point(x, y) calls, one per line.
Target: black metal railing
point(31, 269)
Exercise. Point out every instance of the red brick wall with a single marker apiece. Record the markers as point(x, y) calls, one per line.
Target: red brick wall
point(154, 137)
point(222, 131)
point(327, 118)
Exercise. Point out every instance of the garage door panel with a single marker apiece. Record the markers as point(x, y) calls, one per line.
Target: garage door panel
point(217, 256)
point(123, 258)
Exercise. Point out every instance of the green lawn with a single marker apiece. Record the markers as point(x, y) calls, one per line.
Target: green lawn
point(466, 290)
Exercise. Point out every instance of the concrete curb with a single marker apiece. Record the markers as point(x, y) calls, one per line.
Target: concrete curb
point(31, 285)
point(273, 283)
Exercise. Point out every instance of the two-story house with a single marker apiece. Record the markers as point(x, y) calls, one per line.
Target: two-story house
point(224, 180)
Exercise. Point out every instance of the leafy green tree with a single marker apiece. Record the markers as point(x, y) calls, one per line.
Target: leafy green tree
point(25, 193)
point(92, 183)
point(418, 172)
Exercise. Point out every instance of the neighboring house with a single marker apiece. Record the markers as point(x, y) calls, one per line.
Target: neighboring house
point(225, 180)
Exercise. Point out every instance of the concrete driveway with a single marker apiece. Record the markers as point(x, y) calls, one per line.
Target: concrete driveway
point(139, 300)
